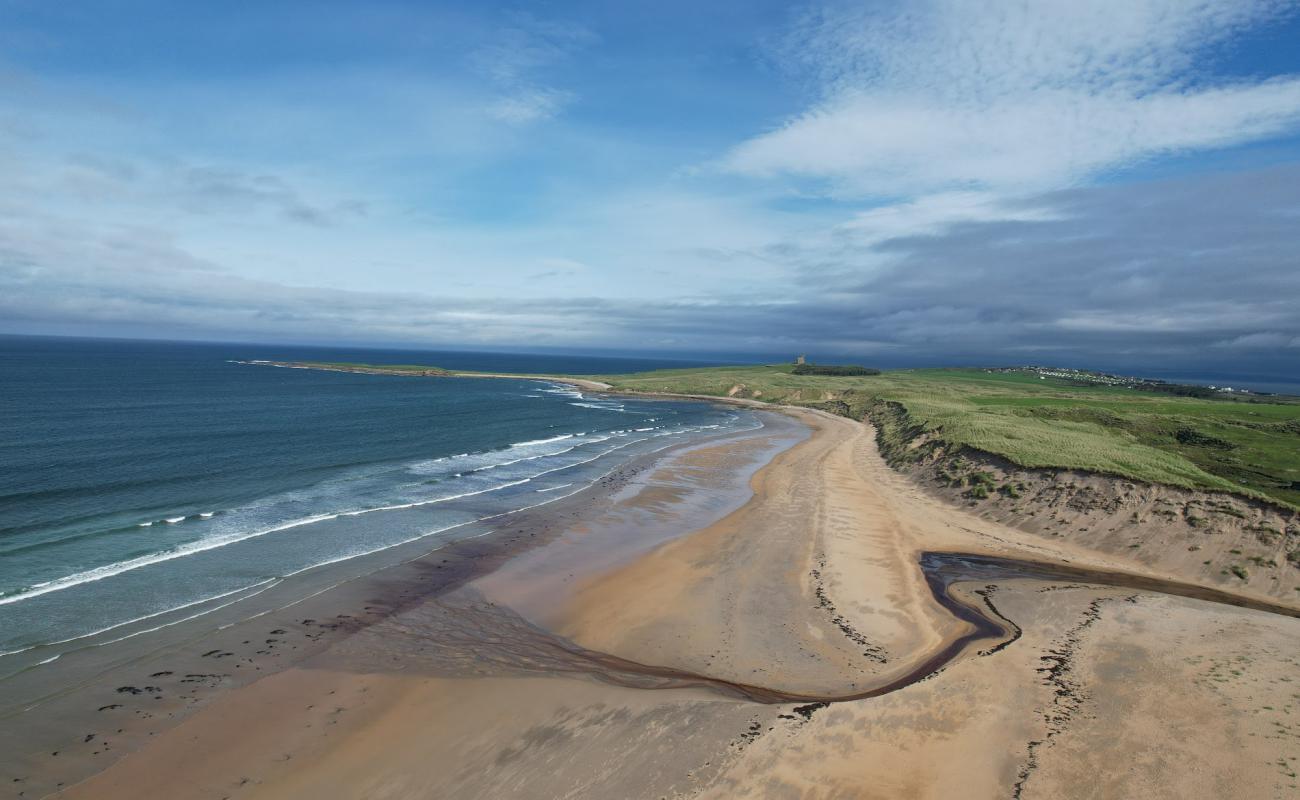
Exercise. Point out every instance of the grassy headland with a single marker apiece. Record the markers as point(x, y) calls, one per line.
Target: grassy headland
point(1247, 445)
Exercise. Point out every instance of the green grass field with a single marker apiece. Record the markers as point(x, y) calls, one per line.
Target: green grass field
point(1241, 446)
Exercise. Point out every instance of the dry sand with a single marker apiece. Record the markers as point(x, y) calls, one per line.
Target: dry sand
point(813, 588)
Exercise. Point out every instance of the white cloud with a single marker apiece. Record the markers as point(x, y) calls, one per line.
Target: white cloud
point(515, 60)
point(528, 44)
point(955, 94)
point(934, 213)
point(528, 105)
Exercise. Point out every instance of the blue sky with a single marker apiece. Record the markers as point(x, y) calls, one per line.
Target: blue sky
point(1103, 183)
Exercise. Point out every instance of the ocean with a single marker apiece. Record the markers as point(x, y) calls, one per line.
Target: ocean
point(143, 483)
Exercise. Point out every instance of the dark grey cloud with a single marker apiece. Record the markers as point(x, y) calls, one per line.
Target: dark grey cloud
point(1169, 267)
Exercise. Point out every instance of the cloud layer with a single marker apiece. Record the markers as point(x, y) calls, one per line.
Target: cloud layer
point(956, 94)
point(1176, 272)
point(920, 182)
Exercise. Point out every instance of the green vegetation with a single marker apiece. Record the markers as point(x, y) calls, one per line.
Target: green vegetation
point(1180, 389)
point(832, 370)
point(1246, 445)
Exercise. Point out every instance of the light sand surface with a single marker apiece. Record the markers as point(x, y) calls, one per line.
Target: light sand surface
point(811, 587)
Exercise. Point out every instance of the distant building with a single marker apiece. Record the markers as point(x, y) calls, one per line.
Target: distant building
point(800, 359)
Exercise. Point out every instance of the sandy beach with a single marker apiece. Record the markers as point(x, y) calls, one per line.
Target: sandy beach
point(638, 653)
point(811, 400)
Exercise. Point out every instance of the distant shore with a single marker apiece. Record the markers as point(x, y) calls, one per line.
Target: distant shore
point(425, 372)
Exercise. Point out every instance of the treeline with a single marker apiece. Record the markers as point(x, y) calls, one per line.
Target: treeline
point(832, 369)
point(1180, 389)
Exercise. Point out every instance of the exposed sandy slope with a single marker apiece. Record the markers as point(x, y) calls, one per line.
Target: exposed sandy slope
point(813, 587)
point(1210, 538)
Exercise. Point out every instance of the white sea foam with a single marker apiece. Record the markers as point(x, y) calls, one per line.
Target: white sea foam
point(118, 567)
point(266, 584)
point(532, 442)
point(207, 514)
point(491, 459)
point(263, 586)
point(115, 626)
point(427, 534)
point(214, 542)
point(599, 406)
point(145, 525)
point(564, 391)
point(174, 520)
point(586, 441)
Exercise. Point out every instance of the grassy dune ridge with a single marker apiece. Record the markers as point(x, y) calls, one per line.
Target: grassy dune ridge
point(1249, 447)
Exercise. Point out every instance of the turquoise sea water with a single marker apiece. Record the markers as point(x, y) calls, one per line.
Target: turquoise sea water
point(137, 479)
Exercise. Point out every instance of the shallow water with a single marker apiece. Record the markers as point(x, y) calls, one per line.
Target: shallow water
point(143, 482)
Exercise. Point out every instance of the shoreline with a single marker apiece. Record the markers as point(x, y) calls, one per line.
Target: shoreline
point(812, 584)
point(434, 372)
point(123, 695)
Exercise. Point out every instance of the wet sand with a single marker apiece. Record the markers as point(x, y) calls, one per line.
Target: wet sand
point(719, 662)
point(63, 721)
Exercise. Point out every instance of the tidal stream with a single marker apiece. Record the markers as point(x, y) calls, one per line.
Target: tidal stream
point(461, 634)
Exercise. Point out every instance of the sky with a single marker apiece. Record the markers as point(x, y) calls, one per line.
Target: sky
point(1110, 184)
